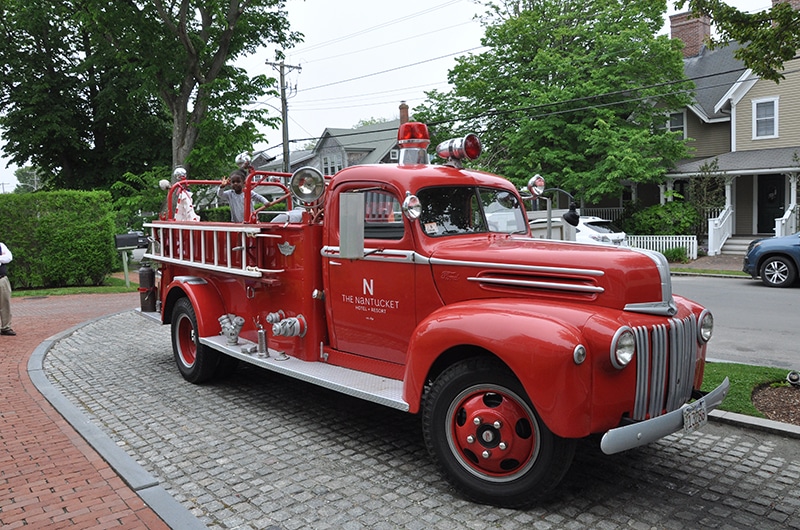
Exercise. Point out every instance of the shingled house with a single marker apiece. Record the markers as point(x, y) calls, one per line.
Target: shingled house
point(747, 130)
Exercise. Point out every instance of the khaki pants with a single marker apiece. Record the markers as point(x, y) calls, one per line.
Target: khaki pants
point(5, 303)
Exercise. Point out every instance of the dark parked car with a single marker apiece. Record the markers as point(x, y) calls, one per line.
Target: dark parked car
point(775, 259)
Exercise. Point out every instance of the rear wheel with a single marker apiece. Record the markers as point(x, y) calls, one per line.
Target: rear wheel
point(486, 437)
point(197, 363)
point(778, 271)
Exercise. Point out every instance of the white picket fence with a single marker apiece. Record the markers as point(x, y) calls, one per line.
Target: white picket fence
point(662, 243)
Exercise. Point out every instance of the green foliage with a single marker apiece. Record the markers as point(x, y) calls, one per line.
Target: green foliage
point(93, 90)
point(676, 255)
point(68, 106)
point(577, 92)
point(744, 380)
point(58, 238)
point(138, 197)
point(221, 214)
point(672, 218)
point(772, 36)
point(29, 179)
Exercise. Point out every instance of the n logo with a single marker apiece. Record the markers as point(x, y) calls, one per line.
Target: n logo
point(367, 287)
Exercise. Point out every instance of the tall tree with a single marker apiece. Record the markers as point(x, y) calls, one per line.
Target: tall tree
point(769, 37)
point(571, 90)
point(65, 105)
point(102, 85)
point(186, 48)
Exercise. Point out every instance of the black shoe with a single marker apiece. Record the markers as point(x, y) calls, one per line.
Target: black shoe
point(8, 331)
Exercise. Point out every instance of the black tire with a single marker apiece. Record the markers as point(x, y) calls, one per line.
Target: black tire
point(484, 434)
point(778, 271)
point(197, 363)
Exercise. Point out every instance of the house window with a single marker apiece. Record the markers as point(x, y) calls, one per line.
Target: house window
point(331, 164)
point(677, 123)
point(765, 118)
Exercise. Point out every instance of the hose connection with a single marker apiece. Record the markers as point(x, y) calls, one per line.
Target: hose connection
point(231, 327)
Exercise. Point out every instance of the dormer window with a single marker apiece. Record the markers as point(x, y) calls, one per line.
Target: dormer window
point(765, 118)
point(331, 164)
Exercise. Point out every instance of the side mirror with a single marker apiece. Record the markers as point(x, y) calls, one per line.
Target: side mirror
point(571, 217)
point(536, 186)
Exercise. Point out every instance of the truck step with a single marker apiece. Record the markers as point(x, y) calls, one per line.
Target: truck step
point(381, 390)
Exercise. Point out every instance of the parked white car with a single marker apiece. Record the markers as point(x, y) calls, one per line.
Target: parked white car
point(599, 232)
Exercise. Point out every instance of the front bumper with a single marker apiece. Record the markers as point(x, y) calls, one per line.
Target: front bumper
point(645, 432)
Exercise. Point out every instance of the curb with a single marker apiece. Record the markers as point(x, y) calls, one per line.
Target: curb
point(758, 424)
point(174, 514)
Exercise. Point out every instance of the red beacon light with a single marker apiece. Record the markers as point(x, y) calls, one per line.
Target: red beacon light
point(456, 150)
point(413, 139)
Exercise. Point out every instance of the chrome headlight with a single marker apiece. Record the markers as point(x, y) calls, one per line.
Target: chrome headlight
point(705, 326)
point(623, 346)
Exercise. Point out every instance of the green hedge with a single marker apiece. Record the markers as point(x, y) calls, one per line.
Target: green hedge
point(58, 239)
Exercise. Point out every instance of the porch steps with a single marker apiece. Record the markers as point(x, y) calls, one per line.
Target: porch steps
point(736, 245)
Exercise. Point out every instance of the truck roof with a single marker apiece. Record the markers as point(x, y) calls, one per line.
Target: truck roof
point(415, 177)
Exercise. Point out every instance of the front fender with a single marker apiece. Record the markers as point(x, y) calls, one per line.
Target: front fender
point(206, 301)
point(537, 347)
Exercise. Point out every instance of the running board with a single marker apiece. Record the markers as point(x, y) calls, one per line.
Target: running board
point(381, 390)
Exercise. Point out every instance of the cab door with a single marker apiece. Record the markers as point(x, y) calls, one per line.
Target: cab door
point(372, 300)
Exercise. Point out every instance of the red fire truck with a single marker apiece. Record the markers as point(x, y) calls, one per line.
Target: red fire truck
point(419, 287)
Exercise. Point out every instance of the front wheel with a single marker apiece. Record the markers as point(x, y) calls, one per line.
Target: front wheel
point(484, 434)
point(196, 362)
point(778, 271)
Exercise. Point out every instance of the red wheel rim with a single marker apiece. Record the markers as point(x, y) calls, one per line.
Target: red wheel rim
point(493, 433)
point(187, 350)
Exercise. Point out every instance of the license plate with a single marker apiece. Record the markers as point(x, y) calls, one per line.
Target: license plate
point(695, 415)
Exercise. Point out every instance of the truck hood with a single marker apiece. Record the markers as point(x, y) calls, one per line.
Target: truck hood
point(501, 266)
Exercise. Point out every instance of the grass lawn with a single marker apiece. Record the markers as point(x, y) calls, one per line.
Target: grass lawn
point(744, 380)
point(110, 285)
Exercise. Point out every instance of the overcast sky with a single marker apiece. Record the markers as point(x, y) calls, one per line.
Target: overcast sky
point(361, 58)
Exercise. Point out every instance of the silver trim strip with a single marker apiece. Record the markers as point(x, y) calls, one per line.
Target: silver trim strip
point(379, 254)
point(662, 309)
point(538, 284)
point(645, 432)
point(513, 267)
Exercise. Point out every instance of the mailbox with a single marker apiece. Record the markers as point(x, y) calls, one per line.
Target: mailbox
point(130, 240)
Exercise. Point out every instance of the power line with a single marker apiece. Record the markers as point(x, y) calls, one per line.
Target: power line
point(378, 26)
point(405, 39)
point(332, 83)
point(573, 100)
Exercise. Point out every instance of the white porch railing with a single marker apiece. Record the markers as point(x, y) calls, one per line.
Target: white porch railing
point(787, 224)
point(719, 230)
point(662, 243)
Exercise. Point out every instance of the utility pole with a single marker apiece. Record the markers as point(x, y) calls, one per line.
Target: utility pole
point(284, 109)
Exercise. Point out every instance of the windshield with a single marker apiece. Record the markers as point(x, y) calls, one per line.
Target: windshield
point(469, 210)
point(603, 227)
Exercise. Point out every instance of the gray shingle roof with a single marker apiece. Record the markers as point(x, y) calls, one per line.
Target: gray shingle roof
point(780, 160)
point(714, 72)
point(378, 139)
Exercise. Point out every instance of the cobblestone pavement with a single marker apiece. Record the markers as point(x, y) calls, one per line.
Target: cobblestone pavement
point(264, 451)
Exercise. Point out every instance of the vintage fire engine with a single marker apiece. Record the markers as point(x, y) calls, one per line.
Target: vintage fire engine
point(419, 287)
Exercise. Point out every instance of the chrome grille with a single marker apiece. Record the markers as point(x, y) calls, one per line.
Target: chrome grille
point(665, 365)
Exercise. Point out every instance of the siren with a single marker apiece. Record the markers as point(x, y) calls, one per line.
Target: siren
point(456, 150)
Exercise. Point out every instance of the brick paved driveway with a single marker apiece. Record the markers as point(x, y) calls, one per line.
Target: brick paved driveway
point(263, 451)
point(49, 476)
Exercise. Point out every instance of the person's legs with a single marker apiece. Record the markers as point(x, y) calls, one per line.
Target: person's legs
point(5, 306)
